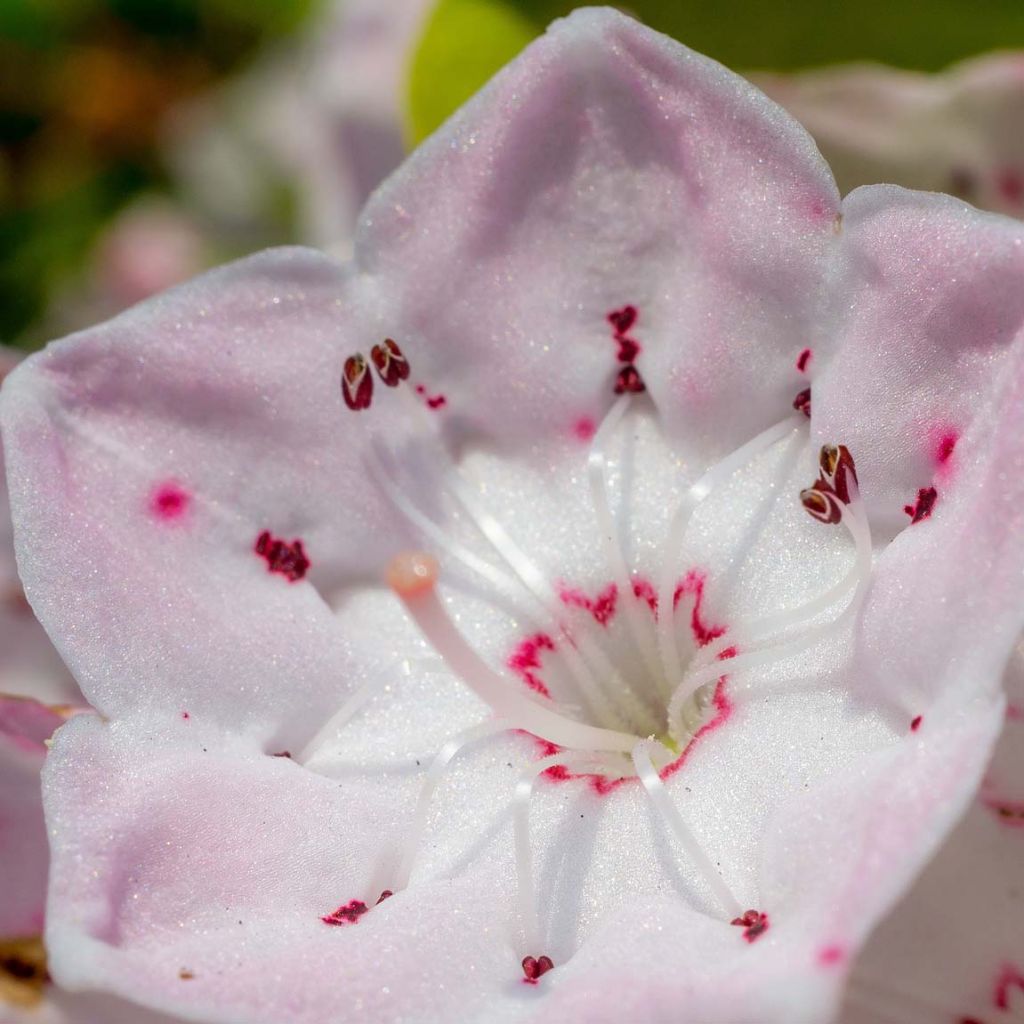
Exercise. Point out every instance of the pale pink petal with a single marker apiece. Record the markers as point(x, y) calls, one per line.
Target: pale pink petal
point(609, 167)
point(961, 131)
point(929, 307)
point(953, 948)
point(153, 453)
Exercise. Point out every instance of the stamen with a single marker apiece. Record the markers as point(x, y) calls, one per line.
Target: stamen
point(597, 471)
point(854, 517)
point(666, 807)
point(614, 699)
point(521, 817)
point(503, 696)
point(671, 662)
point(437, 767)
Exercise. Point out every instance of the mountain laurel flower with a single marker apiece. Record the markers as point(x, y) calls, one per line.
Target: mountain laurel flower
point(590, 604)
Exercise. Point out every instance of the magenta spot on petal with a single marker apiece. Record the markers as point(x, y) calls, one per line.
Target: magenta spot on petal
point(285, 558)
point(347, 913)
point(829, 956)
point(185, 716)
point(946, 446)
point(169, 502)
point(916, 723)
point(923, 504)
point(526, 658)
point(692, 584)
point(602, 607)
point(803, 360)
point(584, 429)
point(1015, 713)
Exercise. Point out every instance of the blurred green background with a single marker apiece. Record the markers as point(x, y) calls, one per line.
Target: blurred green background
point(87, 85)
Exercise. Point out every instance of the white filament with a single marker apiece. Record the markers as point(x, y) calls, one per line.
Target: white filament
point(504, 697)
point(437, 768)
point(667, 646)
point(855, 518)
point(524, 852)
point(666, 807)
point(597, 473)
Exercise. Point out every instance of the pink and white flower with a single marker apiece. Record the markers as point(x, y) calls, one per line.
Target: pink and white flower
point(627, 734)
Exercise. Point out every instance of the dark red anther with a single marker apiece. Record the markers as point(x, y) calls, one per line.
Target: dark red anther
point(753, 923)
point(803, 359)
point(385, 895)
point(923, 505)
point(629, 379)
point(915, 723)
point(356, 383)
point(391, 365)
point(838, 470)
point(822, 503)
point(347, 913)
point(536, 967)
point(802, 402)
point(285, 559)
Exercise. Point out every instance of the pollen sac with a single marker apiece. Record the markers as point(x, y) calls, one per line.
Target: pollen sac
point(822, 504)
point(356, 383)
point(837, 470)
point(392, 366)
point(629, 379)
point(536, 967)
point(802, 402)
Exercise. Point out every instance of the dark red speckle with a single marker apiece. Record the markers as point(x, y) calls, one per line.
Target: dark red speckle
point(753, 923)
point(628, 379)
point(285, 558)
point(916, 723)
point(385, 895)
point(348, 913)
point(169, 502)
point(803, 359)
point(283, 753)
point(584, 429)
point(185, 716)
point(535, 968)
point(923, 505)
point(431, 401)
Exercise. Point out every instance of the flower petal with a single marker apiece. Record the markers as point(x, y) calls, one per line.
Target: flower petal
point(929, 303)
point(952, 948)
point(608, 168)
point(152, 454)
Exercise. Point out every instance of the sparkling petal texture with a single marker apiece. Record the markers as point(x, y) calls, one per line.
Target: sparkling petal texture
point(201, 528)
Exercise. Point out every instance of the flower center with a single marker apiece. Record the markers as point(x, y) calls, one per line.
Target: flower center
point(615, 683)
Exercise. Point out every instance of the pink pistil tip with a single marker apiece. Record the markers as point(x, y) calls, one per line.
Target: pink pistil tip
point(412, 573)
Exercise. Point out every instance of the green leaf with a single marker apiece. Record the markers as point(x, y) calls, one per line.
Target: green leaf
point(463, 43)
point(466, 41)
